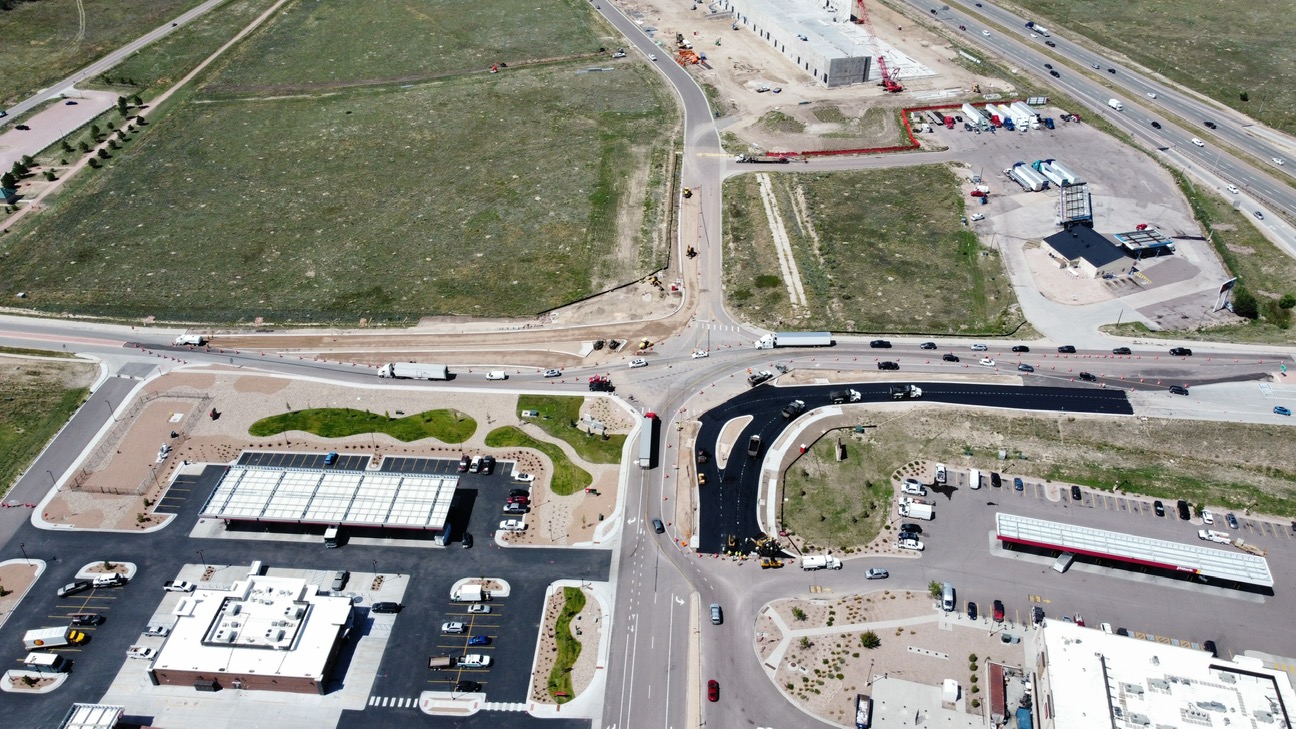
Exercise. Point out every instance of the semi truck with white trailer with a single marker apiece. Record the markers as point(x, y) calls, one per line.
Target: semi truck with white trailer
point(795, 339)
point(1048, 171)
point(414, 371)
point(1037, 28)
point(973, 115)
point(820, 562)
point(648, 441)
point(1028, 178)
point(42, 638)
point(1071, 176)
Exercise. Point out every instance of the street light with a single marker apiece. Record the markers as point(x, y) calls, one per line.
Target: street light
point(51, 475)
point(202, 558)
point(375, 564)
point(23, 547)
point(111, 410)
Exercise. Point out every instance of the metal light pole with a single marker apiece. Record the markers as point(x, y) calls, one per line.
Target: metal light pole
point(23, 547)
point(111, 410)
point(202, 558)
point(375, 564)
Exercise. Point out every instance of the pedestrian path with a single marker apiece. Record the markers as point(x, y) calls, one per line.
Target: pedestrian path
point(504, 706)
point(394, 702)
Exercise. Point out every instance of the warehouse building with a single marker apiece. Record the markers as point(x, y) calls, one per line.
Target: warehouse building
point(1089, 253)
point(818, 37)
point(263, 633)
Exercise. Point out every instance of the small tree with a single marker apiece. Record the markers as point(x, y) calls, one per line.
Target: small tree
point(27, 160)
point(121, 105)
point(20, 169)
point(94, 163)
point(1287, 301)
point(49, 175)
point(94, 130)
point(870, 640)
point(65, 146)
point(805, 643)
point(103, 154)
point(136, 100)
point(83, 146)
point(110, 125)
point(1244, 96)
point(935, 588)
point(1244, 303)
point(8, 180)
point(799, 614)
point(140, 120)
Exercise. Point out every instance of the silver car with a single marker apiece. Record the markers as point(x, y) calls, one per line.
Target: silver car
point(876, 573)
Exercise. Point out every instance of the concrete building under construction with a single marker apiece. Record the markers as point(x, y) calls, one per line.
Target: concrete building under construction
point(818, 36)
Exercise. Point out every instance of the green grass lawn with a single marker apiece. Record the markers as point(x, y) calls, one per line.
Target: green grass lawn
point(1219, 49)
point(35, 352)
point(568, 477)
point(557, 413)
point(838, 504)
point(892, 255)
point(569, 649)
point(447, 426)
point(38, 398)
point(315, 43)
point(487, 196)
point(42, 42)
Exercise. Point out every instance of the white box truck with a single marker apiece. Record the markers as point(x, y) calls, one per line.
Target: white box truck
point(470, 593)
point(46, 663)
point(1115, 104)
point(820, 562)
point(414, 371)
point(190, 340)
point(911, 510)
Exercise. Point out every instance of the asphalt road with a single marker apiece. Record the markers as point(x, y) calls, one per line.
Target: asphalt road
point(728, 504)
point(1082, 82)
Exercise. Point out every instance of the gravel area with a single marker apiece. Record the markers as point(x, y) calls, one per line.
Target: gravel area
point(586, 628)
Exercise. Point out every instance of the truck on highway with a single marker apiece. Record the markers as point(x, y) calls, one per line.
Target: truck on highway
point(837, 397)
point(42, 638)
point(795, 339)
point(190, 340)
point(905, 392)
point(793, 409)
point(469, 593)
point(1116, 104)
point(1037, 28)
point(747, 159)
point(820, 562)
point(1211, 535)
point(414, 371)
point(910, 509)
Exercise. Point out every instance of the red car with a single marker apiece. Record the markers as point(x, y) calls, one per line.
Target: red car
point(1079, 620)
point(713, 690)
point(519, 500)
point(463, 463)
point(998, 611)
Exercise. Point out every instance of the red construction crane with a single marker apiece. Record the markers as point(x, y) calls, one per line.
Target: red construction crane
point(890, 79)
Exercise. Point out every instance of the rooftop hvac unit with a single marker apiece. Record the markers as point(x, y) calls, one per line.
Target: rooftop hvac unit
point(231, 637)
point(236, 608)
point(279, 638)
point(300, 612)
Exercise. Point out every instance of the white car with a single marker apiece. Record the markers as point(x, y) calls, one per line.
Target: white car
point(914, 544)
point(157, 631)
point(652, 56)
point(1151, 95)
point(700, 354)
point(475, 660)
point(1207, 517)
point(1232, 188)
point(178, 586)
point(638, 362)
point(1278, 160)
point(977, 216)
point(523, 477)
point(453, 628)
point(987, 362)
point(139, 651)
point(553, 373)
point(512, 525)
point(479, 609)
point(1198, 142)
point(985, 32)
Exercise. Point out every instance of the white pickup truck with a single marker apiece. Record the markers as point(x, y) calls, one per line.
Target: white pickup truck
point(1211, 535)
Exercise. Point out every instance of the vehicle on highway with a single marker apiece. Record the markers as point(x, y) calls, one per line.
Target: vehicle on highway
point(1259, 215)
point(1019, 484)
point(717, 617)
point(753, 446)
point(987, 362)
point(386, 607)
point(1075, 493)
point(658, 526)
point(1048, 65)
point(758, 378)
point(1207, 517)
point(652, 57)
point(1066, 349)
point(1088, 377)
point(1122, 350)
point(1111, 70)
point(479, 609)
point(880, 344)
point(1184, 513)
point(700, 354)
point(523, 478)
point(1231, 188)
point(950, 358)
point(1210, 124)
point(1156, 125)
point(467, 687)
point(1282, 410)
point(962, 27)
point(1096, 66)
point(1021, 348)
point(1198, 142)
point(86, 618)
point(713, 690)
point(1151, 94)
point(73, 588)
point(23, 128)
point(452, 628)
point(1050, 44)
point(475, 660)
point(69, 103)
point(512, 525)
point(638, 362)
point(1180, 352)
point(927, 345)
point(1278, 161)
point(1231, 520)
point(1055, 74)
point(1023, 367)
point(998, 611)
point(876, 573)
point(1158, 508)
point(553, 373)
point(972, 610)
point(979, 348)
point(157, 631)
point(888, 365)
point(985, 32)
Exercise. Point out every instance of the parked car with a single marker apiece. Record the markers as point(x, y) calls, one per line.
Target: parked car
point(1158, 508)
point(950, 358)
point(995, 479)
point(157, 631)
point(876, 573)
point(178, 586)
point(475, 660)
point(972, 610)
point(453, 628)
point(479, 640)
point(1184, 512)
point(464, 462)
point(1122, 350)
point(86, 618)
point(1018, 484)
point(479, 609)
point(914, 544)
point(340, 579)
point(467, 541)
point(519, 492)
point(23, 128)
point(908, 528)
point(467, 687)
point(1037, 615)
point(998, 611)
point(512, 525)
point(523, 477)
point(385, 607)
point(1207, 517)
point(522, 498)
point(1209, 647)
point(474, 466)
point(1231, 520)
point(1075, 493)
point(516, 508)
point(713, 690)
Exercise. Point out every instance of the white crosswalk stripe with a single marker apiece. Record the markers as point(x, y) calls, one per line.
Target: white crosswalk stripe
point(502, 706)
point(394, 702)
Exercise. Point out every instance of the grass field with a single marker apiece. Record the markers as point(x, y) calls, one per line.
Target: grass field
point(45, 41)
point(568, 477)
point(1229, 465)
point(447, 426)
point(495, 195)
point(35, 353)
point(1221, 50)
point(891, 255)
point(319, 44)
point(558, 413)
point(569, 649)
point(38, 398)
